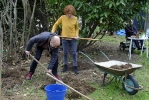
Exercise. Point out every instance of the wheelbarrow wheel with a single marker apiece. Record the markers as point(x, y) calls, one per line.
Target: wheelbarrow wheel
point(130, 81)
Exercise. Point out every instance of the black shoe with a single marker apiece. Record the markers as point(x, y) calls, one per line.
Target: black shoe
point(144, 48)
point(139, 48)
point(65, 68)
point(76, 70)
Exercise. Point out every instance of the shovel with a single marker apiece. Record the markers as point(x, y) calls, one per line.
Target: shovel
point(81, 38)
point(59, 81)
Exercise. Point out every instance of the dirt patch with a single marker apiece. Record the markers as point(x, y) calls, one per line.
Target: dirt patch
point(14, 76)
point(78, 85)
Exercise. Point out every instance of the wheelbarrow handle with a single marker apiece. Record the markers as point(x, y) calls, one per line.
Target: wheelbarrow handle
point(140, 87)
point(91, 59)
point(87, 57)
point(105, 55)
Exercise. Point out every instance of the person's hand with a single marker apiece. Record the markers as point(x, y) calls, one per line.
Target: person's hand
point(49, 71)
point(27, 52)
point(77, 37)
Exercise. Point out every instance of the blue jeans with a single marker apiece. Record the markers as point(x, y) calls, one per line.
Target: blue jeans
point(73, 48)
point(33, 66)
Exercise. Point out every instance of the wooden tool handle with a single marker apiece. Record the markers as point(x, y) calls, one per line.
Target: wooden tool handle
point(80, 38)
point(60, 80)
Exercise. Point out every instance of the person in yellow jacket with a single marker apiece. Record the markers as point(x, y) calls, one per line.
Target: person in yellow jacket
point(70, 34)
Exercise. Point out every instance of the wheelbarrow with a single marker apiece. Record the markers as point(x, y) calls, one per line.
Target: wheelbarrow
point(129, 83)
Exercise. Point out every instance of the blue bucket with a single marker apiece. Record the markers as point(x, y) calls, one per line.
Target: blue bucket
point(55, 91)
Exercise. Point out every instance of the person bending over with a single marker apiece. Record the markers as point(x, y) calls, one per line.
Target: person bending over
point(44, 41)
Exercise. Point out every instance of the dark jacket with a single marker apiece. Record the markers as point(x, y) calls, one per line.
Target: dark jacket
point(42, 40)
point(130, 30)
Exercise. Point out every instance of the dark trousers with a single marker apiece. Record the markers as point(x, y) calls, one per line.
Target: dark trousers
point(33, 66)
point(138, 43)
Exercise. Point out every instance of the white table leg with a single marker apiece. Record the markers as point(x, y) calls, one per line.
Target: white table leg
point(130, 47)
point(147, 48)
point(142, 47)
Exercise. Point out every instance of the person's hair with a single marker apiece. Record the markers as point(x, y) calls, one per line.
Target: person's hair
point(69, 8)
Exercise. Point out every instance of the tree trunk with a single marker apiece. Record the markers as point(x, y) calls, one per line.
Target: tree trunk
point(1, 55)
point(10, 31)
point(31, 20)
point(24, 2)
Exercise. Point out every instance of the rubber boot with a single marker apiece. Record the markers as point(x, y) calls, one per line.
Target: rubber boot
point(57, 82)
point(65, 68)
point(57, 76)
point(75, 70)
point(29, 76)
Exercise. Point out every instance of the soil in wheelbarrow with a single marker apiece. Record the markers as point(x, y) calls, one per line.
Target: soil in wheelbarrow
point(13, 75)
point(122, 67)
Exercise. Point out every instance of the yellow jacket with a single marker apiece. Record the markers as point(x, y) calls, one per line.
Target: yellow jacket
point(69, 26)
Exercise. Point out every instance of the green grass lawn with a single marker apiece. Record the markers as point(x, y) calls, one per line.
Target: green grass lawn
point(115, 91)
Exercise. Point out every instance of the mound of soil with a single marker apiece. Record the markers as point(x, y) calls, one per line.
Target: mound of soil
point(122, 67)
point(15, 76)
